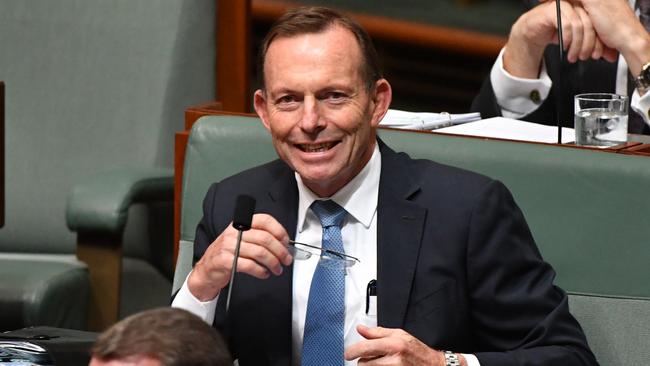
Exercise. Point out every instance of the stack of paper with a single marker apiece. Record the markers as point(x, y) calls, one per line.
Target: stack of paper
point(512, 129)
point(424, 120)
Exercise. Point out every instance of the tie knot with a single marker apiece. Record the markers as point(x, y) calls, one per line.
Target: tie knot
point(329, 213)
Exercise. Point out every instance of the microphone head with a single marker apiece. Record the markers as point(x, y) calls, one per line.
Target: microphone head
point(244, 209)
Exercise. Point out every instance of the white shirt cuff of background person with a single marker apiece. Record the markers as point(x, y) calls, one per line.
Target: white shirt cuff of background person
point(206, 309)
point(513, 94)
point(203, 309)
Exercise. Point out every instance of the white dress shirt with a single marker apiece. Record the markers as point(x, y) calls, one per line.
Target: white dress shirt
point(359, 232)
point(513, 93)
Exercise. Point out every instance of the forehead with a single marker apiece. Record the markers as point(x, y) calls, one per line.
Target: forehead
point(334, 50)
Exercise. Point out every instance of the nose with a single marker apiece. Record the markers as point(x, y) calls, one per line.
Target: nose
point(311, 120)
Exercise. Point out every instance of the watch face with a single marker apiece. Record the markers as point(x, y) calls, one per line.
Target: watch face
point(645, 74)
point(643, 80)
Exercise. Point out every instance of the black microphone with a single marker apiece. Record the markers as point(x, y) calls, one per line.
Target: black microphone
point(244, 209)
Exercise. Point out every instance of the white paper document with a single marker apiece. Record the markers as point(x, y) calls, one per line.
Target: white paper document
point(506, 128)
point(425, 120)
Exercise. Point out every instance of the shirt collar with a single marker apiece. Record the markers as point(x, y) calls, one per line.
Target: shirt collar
point(358, 197)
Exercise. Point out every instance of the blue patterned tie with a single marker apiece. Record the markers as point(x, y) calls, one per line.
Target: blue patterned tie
point(323, 338)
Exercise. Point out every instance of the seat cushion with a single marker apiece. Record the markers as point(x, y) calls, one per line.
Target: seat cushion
point(143, 287)
point(37, 289)
point(617, 328)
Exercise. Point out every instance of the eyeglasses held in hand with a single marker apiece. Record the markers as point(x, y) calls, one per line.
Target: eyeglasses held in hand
point(328, 258)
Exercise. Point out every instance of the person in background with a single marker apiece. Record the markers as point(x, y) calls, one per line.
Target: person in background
point(416, 263)
point(160, 337)
point(607, 49)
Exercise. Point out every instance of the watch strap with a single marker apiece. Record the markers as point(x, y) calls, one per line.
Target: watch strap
point(451, 359)
point(642, 81)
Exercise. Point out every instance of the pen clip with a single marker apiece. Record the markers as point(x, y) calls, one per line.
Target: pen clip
point(371, 290)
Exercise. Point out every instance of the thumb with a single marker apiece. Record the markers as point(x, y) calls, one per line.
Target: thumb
point(374, 332)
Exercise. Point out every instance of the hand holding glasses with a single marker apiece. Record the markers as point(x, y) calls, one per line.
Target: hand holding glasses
point(328, 258)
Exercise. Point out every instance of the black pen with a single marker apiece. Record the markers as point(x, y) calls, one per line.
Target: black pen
point(371, 291)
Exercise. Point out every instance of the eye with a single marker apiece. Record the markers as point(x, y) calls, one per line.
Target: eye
point(335, 97)
point(287, 101)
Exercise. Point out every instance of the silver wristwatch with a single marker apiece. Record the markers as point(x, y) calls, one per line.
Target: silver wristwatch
point(451, 359)
point(642, 81)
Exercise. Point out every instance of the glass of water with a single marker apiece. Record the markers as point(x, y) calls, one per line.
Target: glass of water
point(600, 119)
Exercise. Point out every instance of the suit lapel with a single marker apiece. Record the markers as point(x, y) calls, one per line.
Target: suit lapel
point(283, 206)
point(400, 224)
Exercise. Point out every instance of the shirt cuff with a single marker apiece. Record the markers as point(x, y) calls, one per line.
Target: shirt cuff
point(641, 105)
point(203, 309)
point(517, 96)
point(471, 360)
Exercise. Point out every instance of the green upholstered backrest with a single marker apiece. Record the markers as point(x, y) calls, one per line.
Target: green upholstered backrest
point(219, 147)
point(617, 328)
point(92, 86)
point(588, 210)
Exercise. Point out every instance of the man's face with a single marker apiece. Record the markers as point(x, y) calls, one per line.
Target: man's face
point(317, 108)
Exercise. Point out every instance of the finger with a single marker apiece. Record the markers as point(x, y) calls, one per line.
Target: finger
point(251, 267)
point(268, 223)
point(379, 342)
point(588, 35)
point(219, 255)
point(610, 54)
point(253, 247)
point(271, 243)
point(574, 28)
point(377, 332)
point(369, 349)
point(598, 49)
point(278, 239)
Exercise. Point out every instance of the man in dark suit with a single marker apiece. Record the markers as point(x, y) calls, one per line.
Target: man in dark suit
point(607, 50)
point(454, 263)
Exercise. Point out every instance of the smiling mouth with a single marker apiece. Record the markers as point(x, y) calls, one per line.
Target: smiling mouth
point(312, 148)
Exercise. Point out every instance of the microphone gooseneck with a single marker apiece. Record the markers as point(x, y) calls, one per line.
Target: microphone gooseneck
point(559, 97)
point(242, 218)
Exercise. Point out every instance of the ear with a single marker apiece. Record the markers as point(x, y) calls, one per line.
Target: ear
point(381, 97)
point(259, 102)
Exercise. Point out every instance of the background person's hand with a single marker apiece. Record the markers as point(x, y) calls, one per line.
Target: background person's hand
point(619, 28)
point(263, 251)
point(537, 28)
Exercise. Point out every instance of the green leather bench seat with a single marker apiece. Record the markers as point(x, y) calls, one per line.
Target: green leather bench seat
point(95, 91)
point(43, 289)
point(588, 212)
point(586, 209)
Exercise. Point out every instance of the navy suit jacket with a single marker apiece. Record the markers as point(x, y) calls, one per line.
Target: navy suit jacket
point(590, 76)
point(457, 268)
